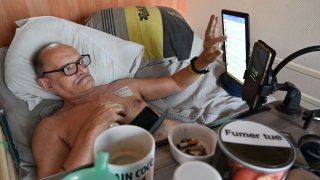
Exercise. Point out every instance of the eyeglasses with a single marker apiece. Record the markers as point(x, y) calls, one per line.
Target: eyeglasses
point(71, 68)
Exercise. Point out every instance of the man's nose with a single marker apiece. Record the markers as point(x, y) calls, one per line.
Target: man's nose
point(82, 69)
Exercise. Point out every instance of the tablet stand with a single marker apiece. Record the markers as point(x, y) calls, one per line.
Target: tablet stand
point(230, 85)
point(291, 103)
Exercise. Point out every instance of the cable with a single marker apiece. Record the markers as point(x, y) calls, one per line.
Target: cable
point(292, 56)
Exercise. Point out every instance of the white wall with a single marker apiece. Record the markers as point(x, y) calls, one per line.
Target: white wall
point(286, 25)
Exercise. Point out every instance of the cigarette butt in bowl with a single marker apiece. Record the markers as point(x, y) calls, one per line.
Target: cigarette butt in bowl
point(195, 148)
point(187, 143)
point(196, 153)
point(185, 140)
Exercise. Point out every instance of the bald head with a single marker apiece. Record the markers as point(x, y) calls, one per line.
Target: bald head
point(49, 53)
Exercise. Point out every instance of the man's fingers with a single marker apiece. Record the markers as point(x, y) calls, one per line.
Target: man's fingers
point(213, 40)
point(214, 31)
point(217, 40)
point(116, 108)
point(220, 39)
point(214, 43)
point(119, 115)
point(217, 53)
point(121, 110)
point(122, 113)
point(210, 27)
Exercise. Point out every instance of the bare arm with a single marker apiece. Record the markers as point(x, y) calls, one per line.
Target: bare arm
point(157, 88)
point(51, 152)
point(48, 150)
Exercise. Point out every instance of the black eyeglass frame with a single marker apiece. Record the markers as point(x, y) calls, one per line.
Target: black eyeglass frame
point(77, 63)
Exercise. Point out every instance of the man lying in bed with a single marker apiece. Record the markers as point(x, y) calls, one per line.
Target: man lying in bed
point(65, 140)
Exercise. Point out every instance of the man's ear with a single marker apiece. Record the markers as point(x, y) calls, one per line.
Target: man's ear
point(45, 84)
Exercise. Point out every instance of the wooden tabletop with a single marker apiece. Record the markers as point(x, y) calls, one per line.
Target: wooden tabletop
point(165, 165)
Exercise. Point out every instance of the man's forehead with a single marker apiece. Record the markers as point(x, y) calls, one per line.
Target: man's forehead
point(58, 52)
point(60, 48)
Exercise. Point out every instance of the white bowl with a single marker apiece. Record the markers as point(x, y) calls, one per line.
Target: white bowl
point(206, 137)
point(196, 170)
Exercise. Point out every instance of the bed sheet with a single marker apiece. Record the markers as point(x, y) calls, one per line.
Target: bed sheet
point(203, 102)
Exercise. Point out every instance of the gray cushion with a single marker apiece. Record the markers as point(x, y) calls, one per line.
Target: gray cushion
point(163, 31)
point(22, 121)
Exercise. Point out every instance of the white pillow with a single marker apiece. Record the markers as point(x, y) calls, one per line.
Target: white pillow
point(112, 57)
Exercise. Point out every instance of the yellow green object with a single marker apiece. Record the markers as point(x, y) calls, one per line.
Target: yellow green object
point(99, 171)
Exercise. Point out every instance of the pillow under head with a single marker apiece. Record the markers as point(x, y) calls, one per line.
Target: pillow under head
point(112, 58)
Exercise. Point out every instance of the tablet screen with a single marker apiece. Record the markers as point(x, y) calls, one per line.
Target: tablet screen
point(236, 49)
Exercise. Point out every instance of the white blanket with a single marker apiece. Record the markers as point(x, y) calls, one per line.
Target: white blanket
point(203, 101)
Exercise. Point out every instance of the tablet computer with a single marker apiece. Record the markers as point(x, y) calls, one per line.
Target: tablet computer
point(236, 48)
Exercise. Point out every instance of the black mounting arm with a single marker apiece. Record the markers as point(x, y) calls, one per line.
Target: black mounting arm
point(291, 103)
point(293, 56)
